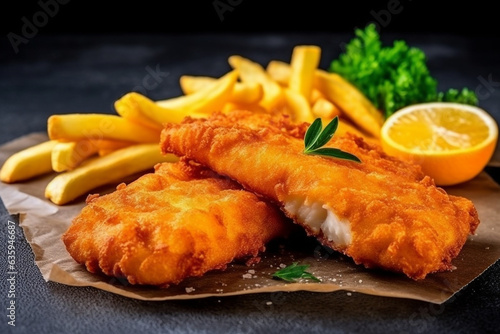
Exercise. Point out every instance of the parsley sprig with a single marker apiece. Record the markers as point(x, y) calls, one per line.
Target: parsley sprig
point(294, 272)
point(316, 137)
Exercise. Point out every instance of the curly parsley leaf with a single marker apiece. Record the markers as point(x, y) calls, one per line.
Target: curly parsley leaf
point(316, 137)
point(393, 76)
point(465, 96)
point(294, 272)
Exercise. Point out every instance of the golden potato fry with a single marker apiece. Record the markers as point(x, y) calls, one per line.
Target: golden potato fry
point(73, 127)
point(128, 109)
point(299, 106)
point(68, 155)
point(100, 171)
point(161, 115)
point(243, 92)
point(190, 84)
point(325, 109)
point(205, 101)
point(303, 64)
point(354, 104)
point(252, 72)
point(346, 126)
point(229, 106)
point(28, 163)
point(104, 151)
point(279, 71)
point(316, 95)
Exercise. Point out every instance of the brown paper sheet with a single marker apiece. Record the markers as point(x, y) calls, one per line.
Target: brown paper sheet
point(43, 224)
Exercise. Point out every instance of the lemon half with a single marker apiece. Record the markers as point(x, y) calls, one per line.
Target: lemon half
point(452, 142)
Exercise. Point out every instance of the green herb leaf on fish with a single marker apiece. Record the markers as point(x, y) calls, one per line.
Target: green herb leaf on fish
point(316, 137)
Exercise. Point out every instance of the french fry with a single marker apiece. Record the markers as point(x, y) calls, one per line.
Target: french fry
point(243, 92)
point(190, 84)
point(351, 101)
point(150, 108)
point(303, 64)
point(126, 106)
point(299, 106)
point(73, 127)
point(354, 104)
point(252, 72)
point(69, 155)
point(279, 71)
point(346, 126)
point(99, 171)
point(229, 106)
point(205, 101)
point(325, 109)
point(316, 95)
point(28, 163)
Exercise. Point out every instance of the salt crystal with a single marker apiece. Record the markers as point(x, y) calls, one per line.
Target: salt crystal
point(188, 290)
point(349, 294)
point(247, 275)
point(269, 303)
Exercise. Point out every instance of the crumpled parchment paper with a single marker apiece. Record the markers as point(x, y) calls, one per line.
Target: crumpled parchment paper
point(44, 222)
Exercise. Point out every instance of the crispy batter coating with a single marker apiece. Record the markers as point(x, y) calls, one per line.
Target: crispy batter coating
point(180, 221)
point(394, 217)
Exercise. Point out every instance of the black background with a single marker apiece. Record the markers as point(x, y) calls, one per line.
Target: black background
point(64, 74)
point(406, 16)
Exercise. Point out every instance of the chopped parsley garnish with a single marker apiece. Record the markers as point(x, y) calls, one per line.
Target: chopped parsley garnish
point(294, 272)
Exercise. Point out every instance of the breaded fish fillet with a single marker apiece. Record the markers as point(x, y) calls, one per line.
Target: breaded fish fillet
point(180, 221)
point(382, 212)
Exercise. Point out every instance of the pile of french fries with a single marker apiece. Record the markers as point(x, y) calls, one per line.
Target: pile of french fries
point(86, 151)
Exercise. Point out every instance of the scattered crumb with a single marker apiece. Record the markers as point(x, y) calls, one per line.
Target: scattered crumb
point(252, 261)
point(360, 281)
point(487, 248)
point(247, 275)
point(251, 271)
point(190, 289)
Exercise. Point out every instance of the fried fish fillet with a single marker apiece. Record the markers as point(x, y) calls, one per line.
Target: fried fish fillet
point(383, 212)
point(181, 221)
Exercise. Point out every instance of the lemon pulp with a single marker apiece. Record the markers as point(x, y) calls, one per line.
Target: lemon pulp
point(452, 142)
